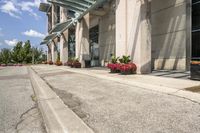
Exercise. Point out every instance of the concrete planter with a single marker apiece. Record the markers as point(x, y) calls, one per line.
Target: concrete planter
point(77, 65)
point(114, 71)
point(195, 71)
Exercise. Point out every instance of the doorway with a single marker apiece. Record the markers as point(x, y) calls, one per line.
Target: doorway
point(195, 30)
point(94, 46)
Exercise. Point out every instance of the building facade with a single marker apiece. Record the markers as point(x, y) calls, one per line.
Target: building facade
point(156, 34)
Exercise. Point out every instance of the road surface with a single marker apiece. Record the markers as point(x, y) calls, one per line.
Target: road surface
point(18, 109)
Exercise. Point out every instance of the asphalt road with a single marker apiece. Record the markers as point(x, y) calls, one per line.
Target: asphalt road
point(112, 107)
point(18, 109)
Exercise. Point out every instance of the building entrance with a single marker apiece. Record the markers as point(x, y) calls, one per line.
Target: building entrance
point(195, 29)
point(71, 43)
point(94, 46)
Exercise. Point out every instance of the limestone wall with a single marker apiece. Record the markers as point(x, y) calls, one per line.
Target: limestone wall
point(168, 19)
point(106, 33)
point(107, 36)
point(133, 36)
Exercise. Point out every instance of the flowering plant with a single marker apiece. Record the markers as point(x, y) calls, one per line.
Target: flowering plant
point(58, 63)
point(114, 67)
point(50, 62)
point(76, 63)
point(128, 68)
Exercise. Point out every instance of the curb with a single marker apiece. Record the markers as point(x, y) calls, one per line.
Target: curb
point(58, 118)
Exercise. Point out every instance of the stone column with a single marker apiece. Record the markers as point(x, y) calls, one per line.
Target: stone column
point(64, 38)
point(49, 53)
point(133, 32)
point(54, 15)
point(54, 52)
point(82, 40)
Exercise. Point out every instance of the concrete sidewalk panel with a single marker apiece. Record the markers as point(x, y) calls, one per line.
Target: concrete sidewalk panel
point(57, 116)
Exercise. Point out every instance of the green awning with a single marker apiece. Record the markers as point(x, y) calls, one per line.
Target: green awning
point(80, 9)
point(58, 27)
point(44, 7)
point(48, 38)
point(44, 42)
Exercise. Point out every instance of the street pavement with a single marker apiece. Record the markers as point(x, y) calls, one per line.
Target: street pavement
point(111, 107)
point(18, 109)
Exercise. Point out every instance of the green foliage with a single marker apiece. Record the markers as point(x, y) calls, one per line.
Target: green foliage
point(5, 56)
point(22, 54)
point(17, 53)
point(58, 57)
point(125, 59)
point(26, 52)
point(36, 55)
point(114, 59)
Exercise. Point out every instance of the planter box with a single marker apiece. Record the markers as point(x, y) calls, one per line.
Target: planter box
point(114, 71)
point(195, 71)
point(126, 72)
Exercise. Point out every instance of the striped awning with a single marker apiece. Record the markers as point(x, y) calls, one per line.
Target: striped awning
point(80, 9)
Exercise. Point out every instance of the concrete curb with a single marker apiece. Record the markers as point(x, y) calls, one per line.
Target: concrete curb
point(58, 118)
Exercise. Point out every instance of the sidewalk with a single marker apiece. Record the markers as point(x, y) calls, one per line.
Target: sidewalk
point(167, 85)
point(112, 103)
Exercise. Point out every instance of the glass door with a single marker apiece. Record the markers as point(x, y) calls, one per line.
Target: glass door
point(195, 29)
point(94, 46)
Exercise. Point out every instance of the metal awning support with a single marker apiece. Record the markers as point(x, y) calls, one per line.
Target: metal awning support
point(44, 7)
point(80, 7)
point(58, 27)
point(48, 39)
point(44, 42)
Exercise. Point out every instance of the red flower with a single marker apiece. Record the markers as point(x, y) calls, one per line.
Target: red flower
point(128, 67)
point(113, 66)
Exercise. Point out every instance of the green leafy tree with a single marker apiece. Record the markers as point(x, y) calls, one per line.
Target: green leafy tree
point(26, 52)
point(36, 55)
point(5, 56)
point(17, 53)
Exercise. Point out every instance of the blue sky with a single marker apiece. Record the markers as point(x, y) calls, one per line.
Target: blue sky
point(20, 20)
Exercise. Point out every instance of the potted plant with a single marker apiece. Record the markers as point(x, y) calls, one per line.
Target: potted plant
point(114, 65)
point(50, 62)
point(69, 62)
point(127, 67)
point(76, 63)
point(195, 69)
point(58, 62)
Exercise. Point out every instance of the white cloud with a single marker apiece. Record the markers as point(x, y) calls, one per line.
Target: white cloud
point(28, 6)
point(10, 8)
point(11, 42)
point(33, 33)
point(15, 7)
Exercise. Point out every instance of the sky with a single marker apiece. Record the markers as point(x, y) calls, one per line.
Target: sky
point(21, 20)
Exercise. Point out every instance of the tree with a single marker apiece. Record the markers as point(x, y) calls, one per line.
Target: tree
point(36, 55)
point(17, 53)
point(27, 52)
point(5, 56)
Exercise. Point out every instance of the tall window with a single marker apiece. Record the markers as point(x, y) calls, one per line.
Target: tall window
point(195, 28)
point(58, 14)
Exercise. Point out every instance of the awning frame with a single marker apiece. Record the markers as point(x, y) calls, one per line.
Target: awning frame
point(78, 14)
